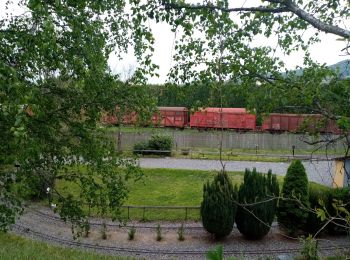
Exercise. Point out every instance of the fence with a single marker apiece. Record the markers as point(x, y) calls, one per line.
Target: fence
point(231, 140)
point(160, 212)
point(231, 155)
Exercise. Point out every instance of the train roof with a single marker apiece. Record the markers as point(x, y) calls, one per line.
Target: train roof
point(172, 108)
point(225, 110)
point(282, 114)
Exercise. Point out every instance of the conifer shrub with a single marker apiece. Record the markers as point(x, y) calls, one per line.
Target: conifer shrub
point(218, 207)
point(317, 197)
point(257, 197)
point(292, 214)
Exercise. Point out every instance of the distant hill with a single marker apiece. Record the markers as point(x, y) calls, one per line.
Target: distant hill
point(343, 68)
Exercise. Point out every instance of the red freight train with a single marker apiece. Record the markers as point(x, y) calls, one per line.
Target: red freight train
point(230, 118)
point(227, 118)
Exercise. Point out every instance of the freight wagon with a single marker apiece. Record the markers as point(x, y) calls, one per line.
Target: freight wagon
point(171, 117)
point(226, 118)
point(278, 122)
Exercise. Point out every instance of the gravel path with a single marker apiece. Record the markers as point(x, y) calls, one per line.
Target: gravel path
point(318, 171)
point(41, 224)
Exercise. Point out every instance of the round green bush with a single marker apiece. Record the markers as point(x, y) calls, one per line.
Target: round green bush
point(292, 214)
point(161, 143)
point(218, 207)
point(261, 192)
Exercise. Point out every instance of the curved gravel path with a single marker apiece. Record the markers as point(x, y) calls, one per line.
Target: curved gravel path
point(42, 224)
point(317, 171)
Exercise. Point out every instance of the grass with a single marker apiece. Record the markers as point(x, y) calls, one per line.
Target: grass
point(164, 187)
point(168, 187)
point(15, 247)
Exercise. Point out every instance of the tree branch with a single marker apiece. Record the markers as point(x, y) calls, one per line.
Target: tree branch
point(286, 6)
point(318, 24)
point(262, 9)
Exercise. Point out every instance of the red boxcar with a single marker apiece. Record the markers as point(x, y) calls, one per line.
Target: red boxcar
point(277, 122)
point(227, 118)
point(171, 117)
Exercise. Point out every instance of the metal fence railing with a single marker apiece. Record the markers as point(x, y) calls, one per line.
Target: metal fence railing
point(146, 212)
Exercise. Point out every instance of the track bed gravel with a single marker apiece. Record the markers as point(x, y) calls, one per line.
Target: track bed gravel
point(42, 224)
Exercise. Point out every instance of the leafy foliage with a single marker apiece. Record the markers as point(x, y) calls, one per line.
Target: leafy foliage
point(218, 207)
point(292, 213)
point(309, 250)
point(258, 196)
point(317, 198)
point(54, 83)
point(337, 206)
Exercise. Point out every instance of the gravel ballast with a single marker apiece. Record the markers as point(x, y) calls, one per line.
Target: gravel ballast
point(42, 224)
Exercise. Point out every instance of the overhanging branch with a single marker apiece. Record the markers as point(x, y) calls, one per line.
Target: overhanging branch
point(262, 9)
point(285, 6)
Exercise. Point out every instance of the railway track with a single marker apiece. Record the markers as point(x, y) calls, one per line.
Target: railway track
point(152, 251)
point(182, 252)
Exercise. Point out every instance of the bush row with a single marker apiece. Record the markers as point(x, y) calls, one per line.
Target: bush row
point(252, 206)
point(299, 207)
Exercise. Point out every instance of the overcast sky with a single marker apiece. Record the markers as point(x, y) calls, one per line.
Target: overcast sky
point(327, 51)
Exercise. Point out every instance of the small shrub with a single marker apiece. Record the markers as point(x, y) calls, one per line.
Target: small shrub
point(217, 254)
point(218, 207)
point(159, 233)
point(104, 231)
point(131, 233)
point(309, 249)
point(261, 191)
point(158, 145)
point(291, 213)
point(161, 143)
point(180, 233)
point(141, 148)
point(86, 228)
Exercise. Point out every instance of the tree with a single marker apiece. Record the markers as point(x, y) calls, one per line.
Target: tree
point(218, 207)
point(291, 212)
point(54, 83)
point(257, 197)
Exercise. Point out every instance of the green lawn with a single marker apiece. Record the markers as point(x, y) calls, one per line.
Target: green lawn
point(166, 187)
point(13, 247)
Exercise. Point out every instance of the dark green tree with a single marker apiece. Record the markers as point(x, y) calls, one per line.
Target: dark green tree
point(54, 83)
point(218, 207)
point(292, 214)
point(257, 197)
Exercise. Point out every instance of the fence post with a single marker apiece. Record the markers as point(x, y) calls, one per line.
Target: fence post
point(128, 212)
